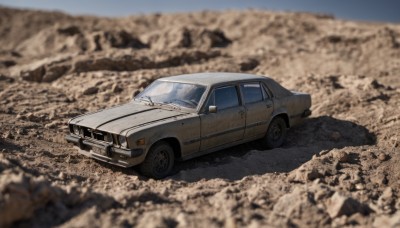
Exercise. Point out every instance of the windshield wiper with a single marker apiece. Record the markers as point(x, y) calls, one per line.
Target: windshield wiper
point(148, 99)
point(151, 102)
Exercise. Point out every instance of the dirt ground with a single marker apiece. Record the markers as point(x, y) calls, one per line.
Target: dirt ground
point(340, 168)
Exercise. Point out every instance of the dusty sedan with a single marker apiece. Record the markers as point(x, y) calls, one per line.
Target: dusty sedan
point(185, 116)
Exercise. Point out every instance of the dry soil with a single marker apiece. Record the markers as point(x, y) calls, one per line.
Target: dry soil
point(340, 168)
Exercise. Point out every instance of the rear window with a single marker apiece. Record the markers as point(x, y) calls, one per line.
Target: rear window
point(252, 92)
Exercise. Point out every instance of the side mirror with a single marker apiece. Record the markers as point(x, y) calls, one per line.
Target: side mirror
point(212, 109)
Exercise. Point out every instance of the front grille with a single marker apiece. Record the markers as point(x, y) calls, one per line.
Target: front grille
point(94, 134)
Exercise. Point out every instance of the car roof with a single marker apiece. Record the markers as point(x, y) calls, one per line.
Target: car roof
point(212, 78)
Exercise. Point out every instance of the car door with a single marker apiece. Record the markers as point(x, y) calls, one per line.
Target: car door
point(227, 124)
point(259, 108)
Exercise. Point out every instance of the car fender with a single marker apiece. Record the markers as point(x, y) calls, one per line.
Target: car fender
point(184, 130)
point(279, 109)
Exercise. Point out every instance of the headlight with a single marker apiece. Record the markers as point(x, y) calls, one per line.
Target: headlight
point(122, 141)
point(76, 129)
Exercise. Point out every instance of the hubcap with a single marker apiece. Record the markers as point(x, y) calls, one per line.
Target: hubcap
point(161, 161)
point(276, 132)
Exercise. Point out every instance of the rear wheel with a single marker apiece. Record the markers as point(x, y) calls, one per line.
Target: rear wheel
point(159, 161)
point(276, 133)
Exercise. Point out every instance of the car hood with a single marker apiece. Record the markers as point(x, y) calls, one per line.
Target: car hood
point(119, 118)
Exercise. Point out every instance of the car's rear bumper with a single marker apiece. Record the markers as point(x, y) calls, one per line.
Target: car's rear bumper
point(106, 152)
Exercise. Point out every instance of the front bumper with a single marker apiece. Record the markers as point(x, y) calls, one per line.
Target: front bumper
point(106, 152)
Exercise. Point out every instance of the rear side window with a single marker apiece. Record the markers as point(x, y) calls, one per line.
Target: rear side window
point(225, 97)
point(252, 92)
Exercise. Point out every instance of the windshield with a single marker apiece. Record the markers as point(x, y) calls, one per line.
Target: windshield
point(173, 93)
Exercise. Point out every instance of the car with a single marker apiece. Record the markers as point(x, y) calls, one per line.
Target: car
point(186, 116)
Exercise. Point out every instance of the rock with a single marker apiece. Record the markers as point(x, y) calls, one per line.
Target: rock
point(249, 64)
point(342, 205)
point(299, 207)
point(8, 135)
point(182, 219)
point(116, 89)
point(288, 204)
point(355, 177)
point(22, 131)
point(360, 186)
point(21, 194)
point(30, 116)
point(321, 191)
point(387, 193)
point(341, 156)
point(55, 72)
point(35, 75)
point(188, 37)
point(304, 175)
point(343, 177)
point(91, 90)
point(382, 157)
point(69, 31)
point(123, 39)
point(61, 175)
point(7, 63)
point(379, 178)
point(129, 62)
point(313, 174)
point(216, 38)
point(386, 199)
point(388, 220)
point(5, 78)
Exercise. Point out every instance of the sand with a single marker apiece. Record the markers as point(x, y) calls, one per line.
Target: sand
point(340, 168)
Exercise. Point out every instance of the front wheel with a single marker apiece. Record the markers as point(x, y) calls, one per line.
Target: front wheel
point(276, 133)
point(159, 161)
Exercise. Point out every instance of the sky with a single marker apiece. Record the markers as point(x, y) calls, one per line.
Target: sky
point(362, 10)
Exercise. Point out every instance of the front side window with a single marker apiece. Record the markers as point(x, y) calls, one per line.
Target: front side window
point(225, 97)
point(252, 92)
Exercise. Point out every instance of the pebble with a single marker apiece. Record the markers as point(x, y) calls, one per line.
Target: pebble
point(342, 156)
point(30, 116)
point(360, 186)
point(382, 157)
point(8, 135)
point(90, 91)
point(116, 89)
point(386, 196)
point(61, 175)
point(22, 131)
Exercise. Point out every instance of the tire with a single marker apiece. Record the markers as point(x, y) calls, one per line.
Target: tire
point(159, 161)
point(276, 133)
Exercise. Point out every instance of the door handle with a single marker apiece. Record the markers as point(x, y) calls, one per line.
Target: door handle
point(241, 112)
point(269, 105)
